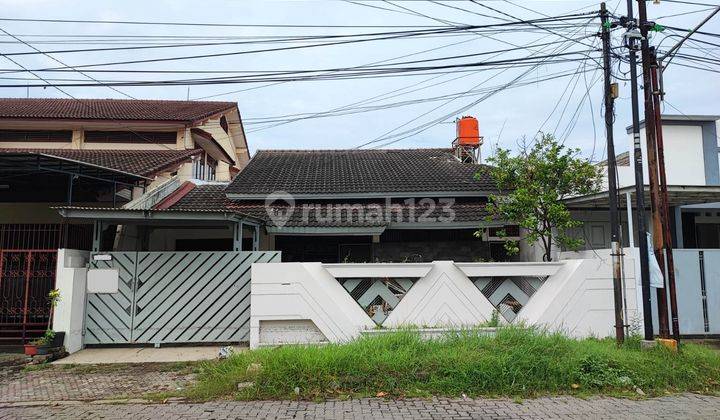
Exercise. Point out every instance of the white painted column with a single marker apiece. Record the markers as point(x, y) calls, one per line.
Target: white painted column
point(69, 313)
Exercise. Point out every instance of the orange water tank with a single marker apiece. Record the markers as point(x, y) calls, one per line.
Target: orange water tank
point(468, 131)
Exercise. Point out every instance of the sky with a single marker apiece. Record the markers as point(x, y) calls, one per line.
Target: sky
point(568, 107)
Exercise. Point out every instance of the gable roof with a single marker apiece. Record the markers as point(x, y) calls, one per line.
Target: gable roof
point(136, 162)
point(358, 173)
point(111, 109)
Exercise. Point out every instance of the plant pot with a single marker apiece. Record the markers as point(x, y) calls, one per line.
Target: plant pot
point(44, 349)
point(59, 339)
point(31, 350)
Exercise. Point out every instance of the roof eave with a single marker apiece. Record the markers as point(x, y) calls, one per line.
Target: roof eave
point(352, 195)
point(214, 144)
point(70, 212)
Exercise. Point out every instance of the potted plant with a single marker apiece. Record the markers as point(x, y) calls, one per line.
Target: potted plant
point(31, 348)
point(50, 339)
point(41, 345)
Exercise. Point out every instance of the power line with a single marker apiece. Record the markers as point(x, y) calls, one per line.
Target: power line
point(368, 64)
point(374, 98)
point(227, 25)
point(423, 127)
point(427, 126)
point(340, 74)
point(83, 103)
point(212, 44)
point(63, 63)
point(690, 2)
point(363, 109)
point(394, 35)
point(685, 13)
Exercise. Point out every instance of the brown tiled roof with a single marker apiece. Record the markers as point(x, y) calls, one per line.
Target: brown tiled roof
point(110, 109)
point(211, 197)
point(361, 172)
point(623, 159)
point(138, 162)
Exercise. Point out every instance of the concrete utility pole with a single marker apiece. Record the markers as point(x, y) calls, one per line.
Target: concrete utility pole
point(651, 142)
point(617, 251)
point(639, 182)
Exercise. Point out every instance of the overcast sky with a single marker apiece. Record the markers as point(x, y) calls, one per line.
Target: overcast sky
point(504, 117)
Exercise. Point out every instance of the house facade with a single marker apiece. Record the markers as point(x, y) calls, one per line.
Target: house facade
point(367, 205)
point(692, 146)
point(102, 153)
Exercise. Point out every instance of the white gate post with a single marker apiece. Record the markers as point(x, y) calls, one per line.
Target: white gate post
point(69, 313)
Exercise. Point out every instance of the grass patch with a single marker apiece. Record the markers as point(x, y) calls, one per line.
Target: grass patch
point(35, 368)
point(516, 362)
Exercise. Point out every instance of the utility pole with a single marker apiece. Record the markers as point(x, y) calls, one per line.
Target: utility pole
point(651, 142)
point(639, 182)
point(657, 95)
point(609, 98)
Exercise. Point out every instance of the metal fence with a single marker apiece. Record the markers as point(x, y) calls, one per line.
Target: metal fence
point(697, 275)
point(33, 236)
point(174, 297)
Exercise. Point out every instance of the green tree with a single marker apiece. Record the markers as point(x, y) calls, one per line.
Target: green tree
point(531, 187)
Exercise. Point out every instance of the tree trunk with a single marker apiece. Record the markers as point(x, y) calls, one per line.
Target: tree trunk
point(548, 249)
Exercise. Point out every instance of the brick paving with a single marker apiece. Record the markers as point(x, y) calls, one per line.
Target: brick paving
point(86, 392)
point(87, 383)
point(672, 407)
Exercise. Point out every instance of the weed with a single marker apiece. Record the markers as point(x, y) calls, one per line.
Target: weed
point(516, 362)
point(33, 368)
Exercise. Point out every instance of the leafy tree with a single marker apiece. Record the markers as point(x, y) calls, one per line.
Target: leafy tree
point(531, 187)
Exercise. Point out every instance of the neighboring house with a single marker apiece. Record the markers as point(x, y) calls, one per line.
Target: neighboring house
point(691, 147)
point(692, 166)
point(93, 153)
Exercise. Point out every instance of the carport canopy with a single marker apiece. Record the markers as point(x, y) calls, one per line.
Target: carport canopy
point(160, 217)
point(32, 162)
point(31, 176)
point(678, 195)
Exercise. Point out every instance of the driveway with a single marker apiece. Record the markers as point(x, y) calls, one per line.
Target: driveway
point(58, 383)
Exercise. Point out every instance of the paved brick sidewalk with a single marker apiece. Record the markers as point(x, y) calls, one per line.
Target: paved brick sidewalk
point(88, 383)
point(674, 407)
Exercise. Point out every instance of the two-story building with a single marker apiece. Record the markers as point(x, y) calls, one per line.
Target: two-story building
point(93, 153)
point(691, 148)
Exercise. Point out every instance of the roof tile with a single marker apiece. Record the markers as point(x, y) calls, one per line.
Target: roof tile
point(110, 109)
point(211, 197)
point(138, 162)
point(328, 172)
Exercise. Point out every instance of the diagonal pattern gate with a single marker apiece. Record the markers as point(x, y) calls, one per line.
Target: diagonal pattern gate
point(175, 297)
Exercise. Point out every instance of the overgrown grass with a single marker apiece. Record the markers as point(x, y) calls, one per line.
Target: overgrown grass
point(517, 362)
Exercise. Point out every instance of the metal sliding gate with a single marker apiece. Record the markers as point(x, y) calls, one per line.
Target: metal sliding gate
point(174, 297)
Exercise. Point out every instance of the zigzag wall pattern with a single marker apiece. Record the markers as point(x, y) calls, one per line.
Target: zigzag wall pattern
point(575, 296)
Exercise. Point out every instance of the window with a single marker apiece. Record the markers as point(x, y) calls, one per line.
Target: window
point(204, 168)
point(24, 136)
point(159, 137)
point(224, 124)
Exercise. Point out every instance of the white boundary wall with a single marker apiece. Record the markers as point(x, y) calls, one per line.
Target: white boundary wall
point(305, 303)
